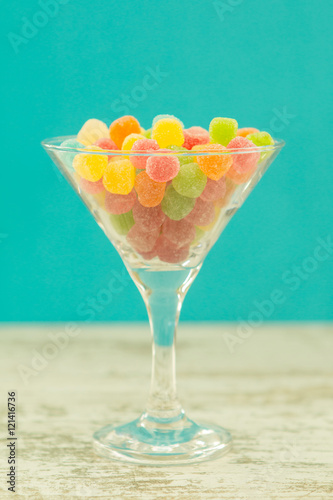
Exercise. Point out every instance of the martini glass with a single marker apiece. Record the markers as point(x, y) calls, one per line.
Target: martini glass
point(163, 433)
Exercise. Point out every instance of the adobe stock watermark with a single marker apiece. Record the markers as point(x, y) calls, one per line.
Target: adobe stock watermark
point(292, 279)
point(30, 27)
point(151, 80)
point(227, 7)
point(58, 341)
point(281, 119)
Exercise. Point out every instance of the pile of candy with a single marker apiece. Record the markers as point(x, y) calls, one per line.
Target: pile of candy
point(159, 198)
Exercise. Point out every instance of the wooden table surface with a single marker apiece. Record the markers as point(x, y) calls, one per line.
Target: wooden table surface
point(272, 390)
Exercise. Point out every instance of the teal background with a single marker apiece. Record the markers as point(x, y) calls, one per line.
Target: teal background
point(251, 62)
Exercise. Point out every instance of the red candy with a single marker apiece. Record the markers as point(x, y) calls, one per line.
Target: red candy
point(202, 214)
point(119, 203)
point(245, 162)
point(106, 143)
point(194, 136)
point(144, 145)
point(169, 252)
point(179, 232)
point(142, 241)
point(162, 168)
point(91, 187)
point(214, 190)
point(148, 218)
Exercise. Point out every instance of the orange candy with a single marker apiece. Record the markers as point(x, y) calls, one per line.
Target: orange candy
point(122, 127)
point(214, 166)
point(150, 193)
point(243, 132)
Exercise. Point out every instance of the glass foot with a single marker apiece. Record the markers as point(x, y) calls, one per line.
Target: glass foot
point(149, 440)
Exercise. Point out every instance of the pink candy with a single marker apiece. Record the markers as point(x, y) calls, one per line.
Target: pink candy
point(142, 241)
point(119, 203)
point(179, 232)
point(144, 145)
point(169, 252)
point(106, 143)
point(243, 162)
point(148, 218)
point(214, 190)
point(91, 187)
point(202, 214)
point(162, 168)
point(194, 136)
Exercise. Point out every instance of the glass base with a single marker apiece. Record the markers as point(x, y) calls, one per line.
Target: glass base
point(150, 440)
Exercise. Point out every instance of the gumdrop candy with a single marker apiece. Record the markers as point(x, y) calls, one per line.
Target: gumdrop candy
point(262, 139)
point(202, 214)
point(190, 181)
point(130, 140)
point(162, 168)
point(194, 136)
point(179, 232)
point(119, 177)
point(67, 157)
point(243, 132)
point(199, 233)
point(119, 203)
point(140, 240)
point(106, 143)
point(223, 201)
point(122, 223)
point(209, 227)
point(182, 156)
point(222, 130)
point(90, 166)
point(174, 205)
point(144, 146)
point(214, 189)
point(91, 187)
point(149, 218)
point(92, 130)
point(122, 127)
point(243, 162)
point(167, 132)
point(214, 166)
point(150, 193)
point(161, 117)
point(169, 252)
point(147, 133)
point(238, 178)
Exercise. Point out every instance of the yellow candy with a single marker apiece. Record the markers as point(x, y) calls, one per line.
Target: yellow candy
point(90, 166)
point(119, 177)
point(168, 132)
point(91, 131)
point(130, 140)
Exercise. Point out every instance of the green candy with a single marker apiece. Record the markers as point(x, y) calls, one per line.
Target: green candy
point(122, 223)
point(262, 139)
point(183, 159)
point(222, 130)
point(199, 233)
point(175, 206)
point(190, 180)
point(147, 133)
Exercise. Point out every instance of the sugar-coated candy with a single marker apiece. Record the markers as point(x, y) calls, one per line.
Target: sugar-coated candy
point(122, 223)
point(122, 127)
point(169, 252)
point(240, 178)
point(194, 136)
point(202, 214)
point(223, 201)
point(190, 180)
point(179, 232)
point(143, 146)
point(119, 177)
point(214, 189)
point(182, 156)
point(90, 166)
point(243, 132)
point(92, 130)
point(149, 218)
point(175, 206)
point(149, 255)
point(91, 187)
point(161, 117)
point(106, 143)
point(142, 241)
point(222, 130)
point(167, 132)
point(162, 168)
point(214, 166)
point(210, 226)
point(241, 162)
point(262, 139)
point(150, 193)
point(130, 140)
point(67, 157)
point(147, 133)
point(119, 203)
point(199, 233)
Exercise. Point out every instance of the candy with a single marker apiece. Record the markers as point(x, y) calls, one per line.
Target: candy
point(130, 140)
point(176, 206)
point(119, 177)
point(222, 130)
point(119, 203)
point(147, 133)
point(149, 218)
point(202, 214)
point(150, 193)
point(210, 226)
point(106, 143)
point(144, 145)
point(243, 162)
point(199, 233)
point(194, 136)
point(183, 157)
point(214, 189)
point(167, 132)
point(243, 132)
point(91, 131)
point(90, 166)
point(122, 127)
point(161, 117)
point(162, 168)
point(190, 181)
point(223, 201)
point(66, 157)
point(169, 252)
point(149, 255)
point(91, 187)
point(238, 178)
point(142, 241)
point(179, 232)
point(122, 223)
point(214, 166)
point(262, 139)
